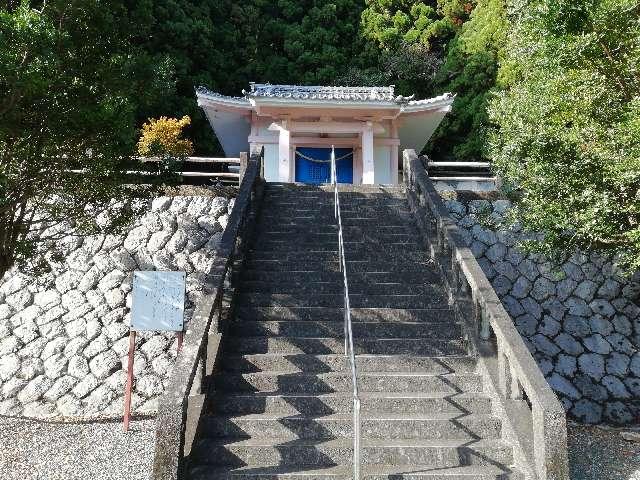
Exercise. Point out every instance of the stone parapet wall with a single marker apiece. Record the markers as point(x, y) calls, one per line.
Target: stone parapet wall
point(580, 320)
point(64, 337)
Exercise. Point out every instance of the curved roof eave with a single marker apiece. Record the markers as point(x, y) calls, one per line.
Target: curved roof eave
point(212, 99)
point(444, 102)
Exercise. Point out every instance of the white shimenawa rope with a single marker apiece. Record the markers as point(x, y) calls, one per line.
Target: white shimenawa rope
point(322, 161)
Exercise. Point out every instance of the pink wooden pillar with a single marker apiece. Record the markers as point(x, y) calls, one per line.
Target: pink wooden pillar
point(284, 153)
point(368, 164)
point(395, 152)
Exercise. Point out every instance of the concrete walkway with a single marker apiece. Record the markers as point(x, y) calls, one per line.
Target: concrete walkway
point(602, 454)
point(35, 450)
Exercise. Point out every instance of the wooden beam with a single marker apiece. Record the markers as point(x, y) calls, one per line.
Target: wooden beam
point(328, 127)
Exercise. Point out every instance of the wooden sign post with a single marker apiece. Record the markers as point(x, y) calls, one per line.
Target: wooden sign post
point(158, 305)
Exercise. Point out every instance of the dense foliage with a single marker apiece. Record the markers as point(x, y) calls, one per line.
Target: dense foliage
point(428, 48)
point(470, 71)
point(67, 76)
point(568, 136)
point(224, 45)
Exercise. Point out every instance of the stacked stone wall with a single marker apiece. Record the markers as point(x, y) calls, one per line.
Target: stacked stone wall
point(580, 319)
point(64, 336)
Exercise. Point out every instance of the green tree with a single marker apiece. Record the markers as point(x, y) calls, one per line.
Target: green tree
point(224, 45)
point(470, 70)
point(394, 23)
point(568, 127)
point(405, 43)
point(67, 77)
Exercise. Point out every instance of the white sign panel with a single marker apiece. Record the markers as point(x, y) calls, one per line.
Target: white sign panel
point(158, 301)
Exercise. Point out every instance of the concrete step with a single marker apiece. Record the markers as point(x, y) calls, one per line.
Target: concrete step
point(347, 221)
point(332, 229)
point(369, 472)
point(302, 277)
point(317, 383)
point(431, 297)
point(276, 263)
point(339, 362)
point(381, 315)
point(328, 208)
point(329, 404)
point(435, 453)
point(349, 217)
point(326, 190)
point(387, 346)
point(332, 237)
point(281, 429)
point(338, 288)
point(349, 246)
point(399, 255)
point(335, 329)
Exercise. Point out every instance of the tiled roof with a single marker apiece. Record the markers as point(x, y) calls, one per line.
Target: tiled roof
point(383, 95)
point(300, 92)
point(428, 101)
point(209, 93)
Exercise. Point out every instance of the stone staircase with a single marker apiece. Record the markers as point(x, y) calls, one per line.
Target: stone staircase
point(280, 406)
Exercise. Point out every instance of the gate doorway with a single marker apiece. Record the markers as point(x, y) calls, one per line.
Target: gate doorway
point(313, 165)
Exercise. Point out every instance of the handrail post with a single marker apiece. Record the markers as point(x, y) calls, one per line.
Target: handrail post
point(243, 166)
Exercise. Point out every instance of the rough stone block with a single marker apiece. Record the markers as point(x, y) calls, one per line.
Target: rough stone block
point(9, 366)
point(587, 411)
point(577, 306)
point(55, 366)
point(54, 347)
point(104, 364)
point(597, 344)
point(99, 399)
point(573, 271)
point(566, 365)
point(60, 387)
point(11, 387)
point(149, 386)
point(615, 387)
point(549, 326)
point(592, 364)
point(602, 307)
point(618, 364)
point(621, 344)
point(590, 389)
point(521, 288)
point(85, 386)
point(618, 413)
point(564, 386)
point(35, 389)
point(501, 285)
point(543, 289)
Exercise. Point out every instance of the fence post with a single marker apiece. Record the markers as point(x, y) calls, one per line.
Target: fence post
point(243, 166)
point(407, 156)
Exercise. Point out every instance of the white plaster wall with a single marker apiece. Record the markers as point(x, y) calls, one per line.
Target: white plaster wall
point(271, 162)
point(382, 164)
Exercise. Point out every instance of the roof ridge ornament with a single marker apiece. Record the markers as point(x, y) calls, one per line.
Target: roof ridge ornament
point(404, 100)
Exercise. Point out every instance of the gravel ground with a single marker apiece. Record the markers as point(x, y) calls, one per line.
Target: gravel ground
point(597, 453)
point(34, 450)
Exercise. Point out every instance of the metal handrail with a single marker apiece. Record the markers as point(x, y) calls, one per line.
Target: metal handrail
point(348, 330)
